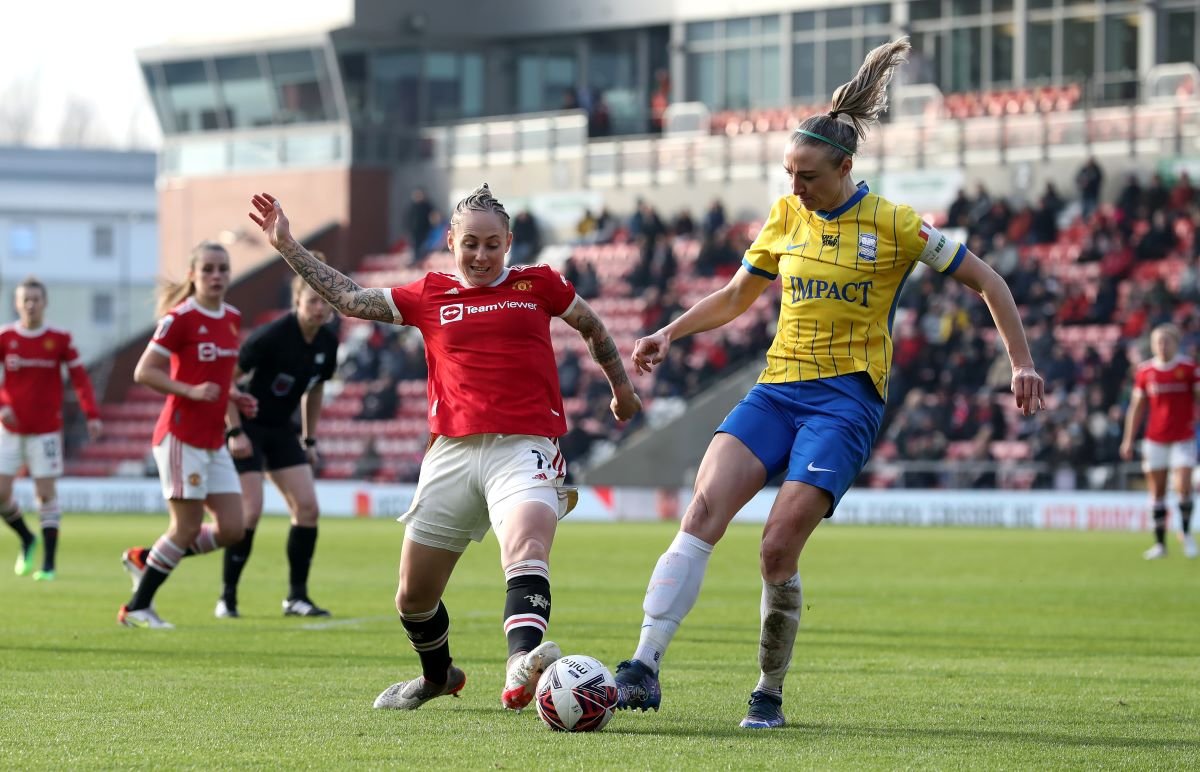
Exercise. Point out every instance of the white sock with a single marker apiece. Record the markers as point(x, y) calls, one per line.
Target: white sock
point(674, 587)
point(780, 612)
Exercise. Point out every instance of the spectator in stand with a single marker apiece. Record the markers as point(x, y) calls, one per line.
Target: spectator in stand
point(582, 273)
point(959, 213)
point(1088, 181)
point(1156, 195)
point(435, 238)
point(31, 420)
point(606, 227)
point(527, 240)
point(1165, 388)
point(418, 221)
point(1045, 218)
point(1182, 194)
point(1130, 197)
point(657, 266)
point(714, 253)
point(659, 100)
point(369, 464)
point(599, 118)
point(714, 218)
point(585, 229)
point(683, 225)
point(381, 401)
point(982, 203)
point(1158, 241)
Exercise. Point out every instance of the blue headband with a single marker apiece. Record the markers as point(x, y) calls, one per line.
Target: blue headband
point(826, 140)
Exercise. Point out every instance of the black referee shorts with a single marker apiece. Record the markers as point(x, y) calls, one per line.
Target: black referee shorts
point(273, 447)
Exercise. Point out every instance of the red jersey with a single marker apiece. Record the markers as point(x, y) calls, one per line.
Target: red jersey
point(203, 347)
point(33, 382)
point(1170, 393)
point(491, 364)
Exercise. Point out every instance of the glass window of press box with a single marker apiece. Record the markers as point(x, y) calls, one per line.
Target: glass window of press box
point(241, 92)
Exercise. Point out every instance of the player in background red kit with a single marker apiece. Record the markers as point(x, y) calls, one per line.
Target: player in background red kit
point(495, 413)
point(1166, 387)
point(190, 359)
point(31, 400)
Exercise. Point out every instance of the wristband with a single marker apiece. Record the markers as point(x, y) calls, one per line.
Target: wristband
point(310, 442)
point(235, 431)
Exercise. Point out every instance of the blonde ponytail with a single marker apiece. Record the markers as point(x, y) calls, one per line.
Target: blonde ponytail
point(856, 105)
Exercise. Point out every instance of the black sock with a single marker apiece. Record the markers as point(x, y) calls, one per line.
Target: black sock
point(234, 563)
point(301, 544)
point(526, 608)
point(429, 634)
point(1185, 516)
point(143, 596)
point(1160, 523)
point(17, 523)
point(49, 548)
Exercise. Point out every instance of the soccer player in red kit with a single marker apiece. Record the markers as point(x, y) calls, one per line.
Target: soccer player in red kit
point(495, 413)
point(190, 359)
point(31, 400)
point(1166, 387)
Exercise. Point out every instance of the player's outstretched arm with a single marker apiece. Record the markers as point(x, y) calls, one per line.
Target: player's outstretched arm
point(715, 310)
point(625, 403)
point(342, 293)
point(1027, 386)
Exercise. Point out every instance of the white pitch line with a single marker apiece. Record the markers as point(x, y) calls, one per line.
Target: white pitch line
point(343, 622)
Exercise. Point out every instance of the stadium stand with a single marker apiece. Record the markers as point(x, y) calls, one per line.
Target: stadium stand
point(1090, 288)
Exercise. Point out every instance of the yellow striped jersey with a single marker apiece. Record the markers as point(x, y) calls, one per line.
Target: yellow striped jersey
point(842, 272)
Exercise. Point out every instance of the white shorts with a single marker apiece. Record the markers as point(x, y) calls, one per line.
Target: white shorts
point(1157, 456)
point(188, 472)
point(40, 453)
point(469, 484)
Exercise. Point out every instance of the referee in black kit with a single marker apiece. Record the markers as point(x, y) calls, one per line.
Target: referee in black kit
point(289, 361)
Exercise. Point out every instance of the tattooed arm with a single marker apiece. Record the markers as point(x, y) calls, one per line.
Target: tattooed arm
point(625, 402)
point(342, 293)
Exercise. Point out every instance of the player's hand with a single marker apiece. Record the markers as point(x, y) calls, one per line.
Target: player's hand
point(625, 404)
point(649, 351)
point(95, 428)
point(8, 418)
point(204, 392)
point(314, 458)
point(239, 446)
point(247, 404)
point(271, 219)
point(1029, 390)
point(1127, 450)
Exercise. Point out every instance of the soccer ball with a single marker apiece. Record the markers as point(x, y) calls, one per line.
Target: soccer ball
point(576, 694)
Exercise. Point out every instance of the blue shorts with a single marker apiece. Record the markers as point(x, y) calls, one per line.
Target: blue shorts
point(820, 431)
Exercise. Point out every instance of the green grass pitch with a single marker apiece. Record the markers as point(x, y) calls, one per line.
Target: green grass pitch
point(919, 648)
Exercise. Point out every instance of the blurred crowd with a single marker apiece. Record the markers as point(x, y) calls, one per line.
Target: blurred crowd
point(1071, 259)
point(1126, 265)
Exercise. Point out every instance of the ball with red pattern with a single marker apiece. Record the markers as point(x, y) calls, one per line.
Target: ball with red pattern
point(576, 694)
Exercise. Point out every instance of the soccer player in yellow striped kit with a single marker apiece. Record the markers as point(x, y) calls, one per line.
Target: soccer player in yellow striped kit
point(842, 254)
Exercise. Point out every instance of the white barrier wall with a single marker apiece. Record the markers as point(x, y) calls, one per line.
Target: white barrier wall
point(1115, 510)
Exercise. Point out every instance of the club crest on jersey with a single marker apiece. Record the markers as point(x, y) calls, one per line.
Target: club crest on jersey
point(451, 313)
point(524, 285)
point(48, 344)
point(868, 245)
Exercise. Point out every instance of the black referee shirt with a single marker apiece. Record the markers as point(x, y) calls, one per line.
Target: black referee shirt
point(284, 366)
